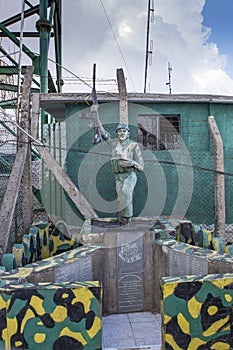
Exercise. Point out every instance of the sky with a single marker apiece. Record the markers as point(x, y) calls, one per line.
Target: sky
point(195, 36)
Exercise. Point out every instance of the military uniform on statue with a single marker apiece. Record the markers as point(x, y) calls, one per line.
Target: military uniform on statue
point(126, 158)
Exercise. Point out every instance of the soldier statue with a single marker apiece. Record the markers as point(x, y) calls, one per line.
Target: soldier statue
point(126, 159)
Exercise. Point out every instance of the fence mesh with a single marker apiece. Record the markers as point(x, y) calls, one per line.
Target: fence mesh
point(8, 149)
point(8, 144)
point(89, 168)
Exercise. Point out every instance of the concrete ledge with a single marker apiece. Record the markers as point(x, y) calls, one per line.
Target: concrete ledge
point(75, 265)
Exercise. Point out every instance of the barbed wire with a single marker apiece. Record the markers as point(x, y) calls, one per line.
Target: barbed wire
point(20, 128)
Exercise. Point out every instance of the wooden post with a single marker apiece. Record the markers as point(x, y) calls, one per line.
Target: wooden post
point(219, 186)
point(35, 120)
point(10, 198)
point(123, 97)
point(63, 179)
point(25, 123)
point(14, 182)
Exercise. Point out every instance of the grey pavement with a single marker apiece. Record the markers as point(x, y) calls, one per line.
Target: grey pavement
point(138, 330)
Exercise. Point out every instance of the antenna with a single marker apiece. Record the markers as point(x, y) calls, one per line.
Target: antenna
point(169, 68)
point(150, 17)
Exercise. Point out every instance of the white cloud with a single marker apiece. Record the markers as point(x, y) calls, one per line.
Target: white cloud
point(125, 30)
point(181, 38)
point(213, 81)
point(178, 35)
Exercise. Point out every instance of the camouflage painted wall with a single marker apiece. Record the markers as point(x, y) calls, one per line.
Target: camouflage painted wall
point(197, 312)
point(47, 270)
point(65, 316)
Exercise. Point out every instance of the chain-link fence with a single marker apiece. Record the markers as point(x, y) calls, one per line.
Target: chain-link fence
point(8, 145)
point(174, 183)
point(8, 149)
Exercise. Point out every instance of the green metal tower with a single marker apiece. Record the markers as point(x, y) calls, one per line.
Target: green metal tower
point(47, 29)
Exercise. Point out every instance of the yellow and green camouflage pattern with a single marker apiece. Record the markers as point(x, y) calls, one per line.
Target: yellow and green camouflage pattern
point(44, 316)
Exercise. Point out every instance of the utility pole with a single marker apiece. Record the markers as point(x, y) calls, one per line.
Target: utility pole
point(150, 17)
point(169, 68)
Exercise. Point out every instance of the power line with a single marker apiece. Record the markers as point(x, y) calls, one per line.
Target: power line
point(20, 128)
point(195, 167)
point(115, 38)
point(9, 54)
point(80, 79)
point(69, 71)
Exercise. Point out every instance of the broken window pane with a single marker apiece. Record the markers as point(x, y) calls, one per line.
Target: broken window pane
point(159, 131)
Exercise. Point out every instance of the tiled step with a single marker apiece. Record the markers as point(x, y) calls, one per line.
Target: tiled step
point(140, 330)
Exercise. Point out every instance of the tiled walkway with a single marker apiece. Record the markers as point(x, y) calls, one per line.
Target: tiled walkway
point(140, 330)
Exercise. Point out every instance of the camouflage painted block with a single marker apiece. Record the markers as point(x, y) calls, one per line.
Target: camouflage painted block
point(185, 232)
point(228, 249)
point(63, 316)
point(197, 312)
point(18, 252)
point(9, 262)
point(218, 245)
point(207, 239)
point(198, 235)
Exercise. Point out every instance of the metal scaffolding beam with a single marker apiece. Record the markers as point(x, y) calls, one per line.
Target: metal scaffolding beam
point(48, 27)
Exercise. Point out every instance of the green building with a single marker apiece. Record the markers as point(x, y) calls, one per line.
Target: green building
point(178, 178)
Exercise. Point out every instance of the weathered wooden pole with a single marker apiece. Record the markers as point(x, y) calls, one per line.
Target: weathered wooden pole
point(63, 179)
point(123, 97)
point(219, 186)
point(22, 157)
point(35, 116)
point(25, 123)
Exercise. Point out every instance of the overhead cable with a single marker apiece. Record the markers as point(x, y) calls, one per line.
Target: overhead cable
point(20, 55)
point(117, 43)
point(20, 128)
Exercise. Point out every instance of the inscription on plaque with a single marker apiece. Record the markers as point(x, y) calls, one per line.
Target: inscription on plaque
point(77, 271)
point(130, 276)
point(130, 292)
point(181, 264)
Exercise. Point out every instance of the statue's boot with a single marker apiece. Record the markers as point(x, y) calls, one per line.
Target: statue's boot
point(124, 220)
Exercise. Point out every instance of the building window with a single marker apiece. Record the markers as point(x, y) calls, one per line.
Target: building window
point(159, 131)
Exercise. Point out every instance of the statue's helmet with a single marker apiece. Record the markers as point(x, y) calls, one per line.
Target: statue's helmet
point(122, 126)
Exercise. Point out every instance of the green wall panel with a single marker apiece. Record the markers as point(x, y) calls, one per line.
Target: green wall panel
point(160, 166)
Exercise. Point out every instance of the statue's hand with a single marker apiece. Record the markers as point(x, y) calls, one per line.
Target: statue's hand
point(126, 163)
point(94, 108)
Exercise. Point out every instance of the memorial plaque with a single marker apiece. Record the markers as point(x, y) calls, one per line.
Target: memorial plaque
point(181, 264)
point(130, 292)
point(130, 277)
point(130, 257)
point(77, 271)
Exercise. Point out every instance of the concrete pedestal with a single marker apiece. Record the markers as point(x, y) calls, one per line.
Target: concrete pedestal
point(127, 265)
